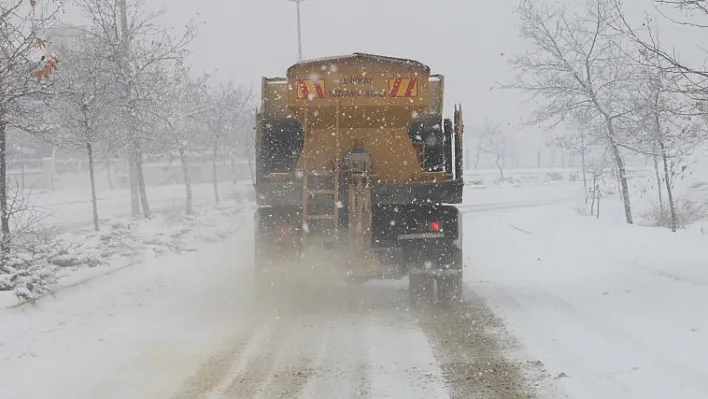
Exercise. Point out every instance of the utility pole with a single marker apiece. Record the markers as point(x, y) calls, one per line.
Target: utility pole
point(132, 148)
point(299, 29)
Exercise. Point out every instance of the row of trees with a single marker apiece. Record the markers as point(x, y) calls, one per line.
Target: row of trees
point(119, 87)
point(587, 65)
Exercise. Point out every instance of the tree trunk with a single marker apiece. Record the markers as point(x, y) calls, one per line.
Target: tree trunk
point(189, 210)
point(232, 159)
point(94, 200)
point(214, 175)
point(141, 187)
point(659, 140)
point(501, 169)
point(622, 173)
point(108, 172)
point(4, 215)
point(658, 180)
point(476, 158)
point(134, 171)
point(619, 183)
point(133, 182)
point(582, 161)
point(538, 159)
point(594, 193)
point(669, 193)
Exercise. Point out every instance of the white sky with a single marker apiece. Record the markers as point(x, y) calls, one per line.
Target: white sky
point(461, 39)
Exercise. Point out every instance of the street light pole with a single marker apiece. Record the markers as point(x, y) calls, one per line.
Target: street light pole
point(299, 29)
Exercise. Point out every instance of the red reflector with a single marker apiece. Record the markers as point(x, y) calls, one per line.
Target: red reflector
point(435, 226)
point(282, 229)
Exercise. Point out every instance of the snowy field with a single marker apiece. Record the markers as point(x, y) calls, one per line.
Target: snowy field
point(559, 305)
point(71, 208)
point(605, 309)
point(614, 310)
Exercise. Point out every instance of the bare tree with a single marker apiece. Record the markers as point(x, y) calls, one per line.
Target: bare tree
point(600, 169)
point(225, 122)
point(481, 138)
point(580, 141)
point(671, 133)
point(82, 108)
point(24, 65)
point(184, 101)
point(492, 141)
point(248, 145)
point(695, 78)
point(135, 43)
point(577, 68)
point(667, 128)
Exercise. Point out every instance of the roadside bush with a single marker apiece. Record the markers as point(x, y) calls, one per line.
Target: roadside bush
point(688, 211)
point(554, 176)
point(31, 267)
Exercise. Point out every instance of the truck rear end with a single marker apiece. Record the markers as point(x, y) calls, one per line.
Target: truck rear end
point(357, 172)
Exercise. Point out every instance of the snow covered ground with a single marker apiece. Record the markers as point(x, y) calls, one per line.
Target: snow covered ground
point(610, 310)
point(71, 209)
point(52, 260)
point(590, 309)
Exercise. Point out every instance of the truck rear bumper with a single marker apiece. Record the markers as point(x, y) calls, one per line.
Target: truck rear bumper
point(437, 272)
point(444, 192)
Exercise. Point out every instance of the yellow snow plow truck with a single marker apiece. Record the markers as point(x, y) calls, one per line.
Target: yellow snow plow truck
point(357, 176)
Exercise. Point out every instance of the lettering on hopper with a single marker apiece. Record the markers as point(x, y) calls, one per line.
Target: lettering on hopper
point(357, 80)
point(376, 93)
point(357, 93)
point(345, 93)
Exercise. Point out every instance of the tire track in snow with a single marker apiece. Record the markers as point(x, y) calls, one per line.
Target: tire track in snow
point(318, 364)
point(342, 362)
point(281, 370)
point(469, 343)
point(357, 341)
point(402, 364)
point(233, 360)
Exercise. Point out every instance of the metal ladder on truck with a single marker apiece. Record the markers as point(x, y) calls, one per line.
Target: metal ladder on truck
point(321, 228)
point(320, 215)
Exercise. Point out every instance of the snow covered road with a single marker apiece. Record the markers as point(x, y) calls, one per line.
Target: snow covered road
point(189, 326)
point(342, 341)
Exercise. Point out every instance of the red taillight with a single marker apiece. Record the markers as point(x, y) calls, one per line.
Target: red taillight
point(435, 227)
point(282, 229)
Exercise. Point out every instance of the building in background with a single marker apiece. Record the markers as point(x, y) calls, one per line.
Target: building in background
point(65, 36)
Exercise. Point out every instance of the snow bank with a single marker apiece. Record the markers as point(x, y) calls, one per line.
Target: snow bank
point(611, 310)
point(45, 261)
